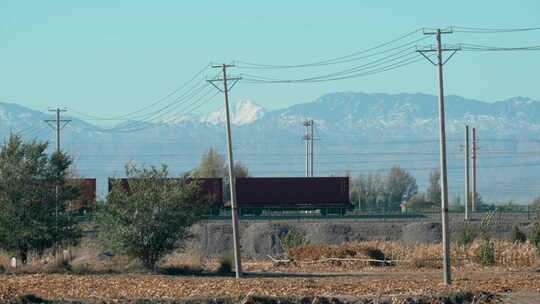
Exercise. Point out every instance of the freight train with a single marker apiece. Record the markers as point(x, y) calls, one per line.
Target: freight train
point(256, 195)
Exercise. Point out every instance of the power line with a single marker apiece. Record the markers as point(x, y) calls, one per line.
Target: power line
point(243, 64)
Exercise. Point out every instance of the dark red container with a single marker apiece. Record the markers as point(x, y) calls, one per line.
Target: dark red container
point(293, 192)
point(88, 196)
point(212, 187)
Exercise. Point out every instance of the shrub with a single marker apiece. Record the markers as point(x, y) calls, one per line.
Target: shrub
point(293, 239)
point(148, 219)
point(517, 235)
point(465, 235)
point(376, 254)
point(225, 265)
point(485, 253)
point(534, 237)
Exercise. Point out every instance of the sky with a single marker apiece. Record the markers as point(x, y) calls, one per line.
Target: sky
point(109, 58)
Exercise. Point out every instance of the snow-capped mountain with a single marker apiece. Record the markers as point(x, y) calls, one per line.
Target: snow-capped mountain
point(243, 112)
point(354, 132)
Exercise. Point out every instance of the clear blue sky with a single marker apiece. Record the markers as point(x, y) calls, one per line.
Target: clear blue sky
point(111, 57)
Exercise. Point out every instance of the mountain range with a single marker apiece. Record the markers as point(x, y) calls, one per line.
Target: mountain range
point(355, 133)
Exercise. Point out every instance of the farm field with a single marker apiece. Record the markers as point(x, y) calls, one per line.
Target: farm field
point(307, 270)
point(103, 287)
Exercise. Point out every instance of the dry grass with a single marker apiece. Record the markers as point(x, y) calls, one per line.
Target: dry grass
point(507, 254)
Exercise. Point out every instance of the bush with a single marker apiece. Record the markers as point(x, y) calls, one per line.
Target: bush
point(534, 237)
point(517, 235)
point(148, 219)
point(293, 239)
point(465, 235)
point(485, 254)
point(225, 265)
point(376, 254)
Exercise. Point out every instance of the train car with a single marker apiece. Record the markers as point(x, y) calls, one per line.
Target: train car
point(212, 187)
point(326, 194)
point(88, 187)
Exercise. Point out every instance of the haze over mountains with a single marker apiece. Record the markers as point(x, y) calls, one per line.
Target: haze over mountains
point(355, 132)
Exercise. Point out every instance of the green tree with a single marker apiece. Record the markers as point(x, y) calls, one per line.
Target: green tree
point(433, 192)
point(400, 186)
point(33, 217)
point(149, 220)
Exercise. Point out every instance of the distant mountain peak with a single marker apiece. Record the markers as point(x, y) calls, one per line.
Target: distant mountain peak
point(242, 112)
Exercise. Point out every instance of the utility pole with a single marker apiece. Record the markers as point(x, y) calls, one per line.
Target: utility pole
point(447, 279)
point(58, 125)
point(234, 207)
point(312, 138)
point(474, 157)
point(308, 137)
point(467, 171)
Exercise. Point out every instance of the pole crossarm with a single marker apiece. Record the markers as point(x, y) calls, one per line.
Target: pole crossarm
point(234, 79)
point(64, 121)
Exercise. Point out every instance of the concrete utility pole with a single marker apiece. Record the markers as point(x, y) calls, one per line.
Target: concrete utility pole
point(234, 207)
point(447, 279)
point(312, 138)
point(308, 137)
point(474, 156)
point(467, 172)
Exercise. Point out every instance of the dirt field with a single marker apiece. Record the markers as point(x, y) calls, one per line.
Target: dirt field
point(56, 286)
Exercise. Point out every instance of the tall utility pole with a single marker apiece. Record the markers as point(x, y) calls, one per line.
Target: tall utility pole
point(444, 177)
point(312, 138)
point(308, 137)
point(467, 172)
point(58, 125)
point(234, 207)
point(474, 157)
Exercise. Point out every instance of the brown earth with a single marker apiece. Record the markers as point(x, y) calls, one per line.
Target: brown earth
point(56, 286)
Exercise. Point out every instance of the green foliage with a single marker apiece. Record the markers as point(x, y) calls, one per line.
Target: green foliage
point(485, 253)
point(485, 225)
point(465, 235)
point(517, 235)
point(293, 239)
point(534, 236)
point(225, 265)
point(33, 217)
point(150, 220)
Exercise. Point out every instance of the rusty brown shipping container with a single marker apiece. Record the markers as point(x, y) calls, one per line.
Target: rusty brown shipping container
point(212, 187)
point(293, 192)
point(88, 187)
